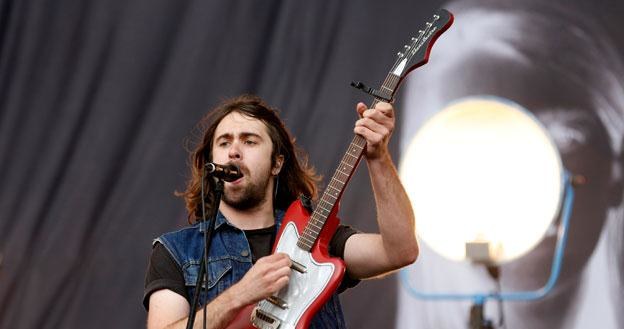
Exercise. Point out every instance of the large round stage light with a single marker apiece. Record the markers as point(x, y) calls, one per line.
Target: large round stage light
point(485, 180)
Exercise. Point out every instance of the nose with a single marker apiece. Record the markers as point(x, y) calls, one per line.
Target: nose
point(234, 152)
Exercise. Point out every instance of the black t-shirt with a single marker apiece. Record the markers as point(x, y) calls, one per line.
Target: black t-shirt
point(163, 271)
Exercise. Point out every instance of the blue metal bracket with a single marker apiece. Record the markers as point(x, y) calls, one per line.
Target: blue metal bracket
point(481, 298)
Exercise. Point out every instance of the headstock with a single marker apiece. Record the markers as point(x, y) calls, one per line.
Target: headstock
point(416, 53)
point(413, 55)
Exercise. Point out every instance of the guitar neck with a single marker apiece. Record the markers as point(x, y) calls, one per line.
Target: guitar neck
point(413, 55)
point(341, 177)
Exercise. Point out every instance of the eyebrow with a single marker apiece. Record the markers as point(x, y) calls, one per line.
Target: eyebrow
point(241, 135)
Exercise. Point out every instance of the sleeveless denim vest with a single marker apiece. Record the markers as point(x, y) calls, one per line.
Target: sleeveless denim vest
point(228, 261)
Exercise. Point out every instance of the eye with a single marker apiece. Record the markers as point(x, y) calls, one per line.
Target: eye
point(250, 142)
point(223, 144)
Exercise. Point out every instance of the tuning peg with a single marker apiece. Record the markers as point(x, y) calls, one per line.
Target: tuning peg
point(436, 17)
point(400, 54)
point(429, 24)
point(406, 47)
point(413, 39)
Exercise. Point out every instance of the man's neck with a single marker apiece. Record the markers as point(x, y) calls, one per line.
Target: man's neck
point(258, 217)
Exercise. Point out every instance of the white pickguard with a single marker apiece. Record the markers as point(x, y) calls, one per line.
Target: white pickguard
point(302, 288)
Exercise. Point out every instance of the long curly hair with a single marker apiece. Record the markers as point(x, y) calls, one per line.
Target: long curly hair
point(295, 178)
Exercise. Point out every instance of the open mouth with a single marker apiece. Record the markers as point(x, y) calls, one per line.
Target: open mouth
point(238, 181)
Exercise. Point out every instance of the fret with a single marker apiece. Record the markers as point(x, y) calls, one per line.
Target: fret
point(312, 234)
point(339, 174)
point(343, 173)
point(330, 192)
point(326, 203)
point(327, 210)
point(355, 149)
point(313, 219)
point(329, 202)
point(345, 167)
point(351, 155)
point(347, 164)
point(315, 223)
point(310, 240)
point(309, 231)
point(354, 155)
point(304, 238)
point(332, 196)
point(340, 171)
point(333, 188)
point(335, 193)
point(323, 213)
point(303, 246)
point(315, 226)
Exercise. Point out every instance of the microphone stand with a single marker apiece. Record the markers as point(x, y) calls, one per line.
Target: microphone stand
point(208, 232)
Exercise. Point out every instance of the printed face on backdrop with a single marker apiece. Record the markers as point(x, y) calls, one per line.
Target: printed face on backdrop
point(523, 54)
point(525, 57)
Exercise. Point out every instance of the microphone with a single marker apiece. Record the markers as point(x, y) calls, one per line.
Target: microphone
point(228, 173)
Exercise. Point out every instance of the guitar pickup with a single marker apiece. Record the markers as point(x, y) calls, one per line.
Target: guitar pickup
point(277, 302)
point(298, 267)
point(262, 320)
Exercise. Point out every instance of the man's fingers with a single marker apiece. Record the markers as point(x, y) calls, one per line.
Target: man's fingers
point(274, 266)
point(275, 258)
point(360, 108)
point(281, 283)
point(382, 108)
point(374, 132)
point(385, 108)
point(278, 273)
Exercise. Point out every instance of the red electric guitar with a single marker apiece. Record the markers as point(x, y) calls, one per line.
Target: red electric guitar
point(305, 237)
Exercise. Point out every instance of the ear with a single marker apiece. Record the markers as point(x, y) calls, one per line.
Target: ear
point(279, 161)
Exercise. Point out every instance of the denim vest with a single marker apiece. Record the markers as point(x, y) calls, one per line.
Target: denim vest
point(228, 261)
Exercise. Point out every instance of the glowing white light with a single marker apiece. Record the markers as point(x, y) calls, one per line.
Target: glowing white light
point(483, 170)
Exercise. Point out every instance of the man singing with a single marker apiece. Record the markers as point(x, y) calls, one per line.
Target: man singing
point(241, 270)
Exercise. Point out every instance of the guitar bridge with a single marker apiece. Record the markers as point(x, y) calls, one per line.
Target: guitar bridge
point(262, 320)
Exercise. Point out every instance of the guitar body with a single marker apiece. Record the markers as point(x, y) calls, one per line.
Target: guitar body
point(309, 287)
point(313, 280)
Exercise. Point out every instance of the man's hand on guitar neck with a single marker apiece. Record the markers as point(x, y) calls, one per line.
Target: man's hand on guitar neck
point(376, 126)
point(269, 275)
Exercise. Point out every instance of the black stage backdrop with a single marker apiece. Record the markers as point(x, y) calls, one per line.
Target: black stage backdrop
point(97, 98)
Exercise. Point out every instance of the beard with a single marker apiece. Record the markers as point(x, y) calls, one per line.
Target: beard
point(252, 195)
